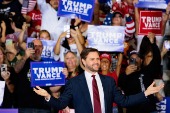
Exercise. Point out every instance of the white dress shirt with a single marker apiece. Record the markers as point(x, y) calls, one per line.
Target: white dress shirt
point(100, 88)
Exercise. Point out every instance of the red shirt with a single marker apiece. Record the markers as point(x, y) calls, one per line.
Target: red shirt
point(36, 17)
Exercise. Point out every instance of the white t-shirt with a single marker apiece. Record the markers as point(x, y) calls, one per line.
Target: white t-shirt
point(50, 21)
point(63, 51)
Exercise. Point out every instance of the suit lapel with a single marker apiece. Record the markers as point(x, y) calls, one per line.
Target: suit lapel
point(104, 84)
point(85, 89)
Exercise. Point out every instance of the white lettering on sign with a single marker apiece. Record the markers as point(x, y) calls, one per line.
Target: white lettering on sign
point(161, 106)
point(106, 37)
point(76, 7)
point(48, 72)
point(151, 22)
point(48, 51)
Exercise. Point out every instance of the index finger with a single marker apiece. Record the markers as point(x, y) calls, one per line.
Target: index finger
point(38, 87)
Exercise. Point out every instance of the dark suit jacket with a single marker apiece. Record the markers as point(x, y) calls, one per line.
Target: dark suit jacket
point(77, 91)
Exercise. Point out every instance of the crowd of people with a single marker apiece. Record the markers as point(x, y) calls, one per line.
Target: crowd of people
point(130, 86)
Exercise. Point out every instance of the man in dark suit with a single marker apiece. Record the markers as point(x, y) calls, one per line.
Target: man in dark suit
point(92, 92)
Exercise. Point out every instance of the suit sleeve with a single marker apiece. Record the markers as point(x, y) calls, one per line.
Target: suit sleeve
point(125, 101)
point(64, 99)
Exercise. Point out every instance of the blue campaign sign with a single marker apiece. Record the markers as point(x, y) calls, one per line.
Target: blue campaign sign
point(163, 106)
point(73, 8)
point(106, 38)
point(156, 4)
point(48, 49)
point(8, 110)
point(47, 73)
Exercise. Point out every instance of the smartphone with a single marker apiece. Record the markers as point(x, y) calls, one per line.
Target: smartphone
point(31, 45)
point(132, 61)
point(167, 44)
point(9, 42)
point(3, 68)
point(67, 28)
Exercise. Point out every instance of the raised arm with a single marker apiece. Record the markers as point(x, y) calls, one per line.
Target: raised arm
point(3, 32)
point(58, 44)
point(165, 18)
point(96, 13)
point(80, 36)
point(22, 44)
point(136, 17)
point(20, 64)
point(42, 5)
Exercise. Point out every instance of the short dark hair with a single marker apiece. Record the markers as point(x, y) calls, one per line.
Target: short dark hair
point(86, 51)
point(18, 20)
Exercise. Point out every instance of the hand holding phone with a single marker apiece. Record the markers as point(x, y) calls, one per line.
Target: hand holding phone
point(9, 42)
point(167, 44)
point(31, 45)
point(132, 61)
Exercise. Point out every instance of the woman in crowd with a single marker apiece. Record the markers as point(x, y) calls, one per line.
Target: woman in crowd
point(72, 65)
point(147, 53)
point(74, 43)
point(9, 78)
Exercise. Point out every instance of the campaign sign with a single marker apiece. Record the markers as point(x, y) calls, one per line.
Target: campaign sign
point(47, 73)
point(157, 4)
point(48, 49)
point(8, 110)
point(73, 8)
point(163, 106)
point(150, 21)
point(106, 38)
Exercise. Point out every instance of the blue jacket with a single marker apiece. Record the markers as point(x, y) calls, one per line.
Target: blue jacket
point(77, 91)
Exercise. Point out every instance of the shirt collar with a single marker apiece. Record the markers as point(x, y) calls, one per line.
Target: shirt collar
point(88, 75)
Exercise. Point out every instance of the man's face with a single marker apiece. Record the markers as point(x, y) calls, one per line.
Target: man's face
point(54, 3)
point(105, 64)
point(138, 60)
point(38, 49)
point(117, 20)
point(92, 62)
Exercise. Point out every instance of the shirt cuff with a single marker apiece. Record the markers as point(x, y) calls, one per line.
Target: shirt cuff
point(47, 100)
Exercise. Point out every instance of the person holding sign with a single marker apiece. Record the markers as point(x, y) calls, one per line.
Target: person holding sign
point(148, 21)
point(81, 89)
point(114, 18)
point(50, 21)
point(9, 76)
point(28, 101)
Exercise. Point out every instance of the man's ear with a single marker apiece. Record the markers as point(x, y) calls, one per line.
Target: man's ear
point(84, 62)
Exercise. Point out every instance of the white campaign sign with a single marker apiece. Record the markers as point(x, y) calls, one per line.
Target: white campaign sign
point(2, 88)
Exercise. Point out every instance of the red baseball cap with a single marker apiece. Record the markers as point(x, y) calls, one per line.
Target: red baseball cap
point(13, 37)
point(106, 55)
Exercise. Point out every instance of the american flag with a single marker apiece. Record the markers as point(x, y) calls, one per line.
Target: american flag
point(27, 6)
